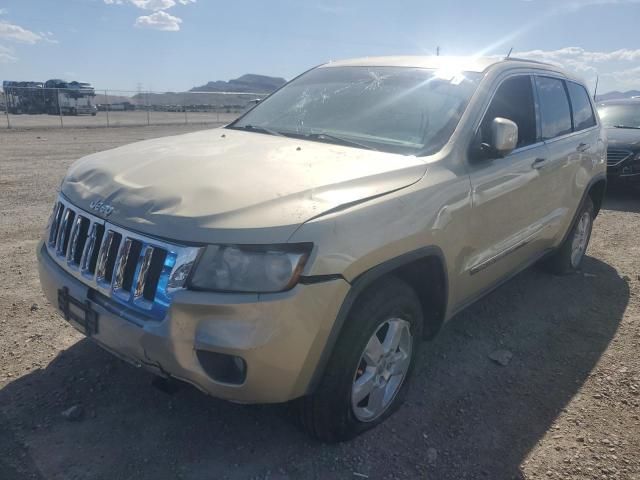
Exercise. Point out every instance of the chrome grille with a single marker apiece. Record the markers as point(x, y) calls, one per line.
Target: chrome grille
point(132, 269)
point(615, 156)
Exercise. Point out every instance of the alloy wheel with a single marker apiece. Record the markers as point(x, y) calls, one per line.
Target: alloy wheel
point(580, 239)
point(382, 369)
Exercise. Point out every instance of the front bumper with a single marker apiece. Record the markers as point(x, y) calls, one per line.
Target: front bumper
point(626, 171)
point(280, 336)
point(623, 178)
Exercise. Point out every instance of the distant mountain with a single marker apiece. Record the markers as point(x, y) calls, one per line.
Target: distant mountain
point(246, 83)
point(261, 85)
point(618, 95)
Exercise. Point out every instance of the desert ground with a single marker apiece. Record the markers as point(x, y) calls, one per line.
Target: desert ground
point(566, 406)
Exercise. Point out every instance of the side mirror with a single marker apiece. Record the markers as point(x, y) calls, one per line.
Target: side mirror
point(504, 137)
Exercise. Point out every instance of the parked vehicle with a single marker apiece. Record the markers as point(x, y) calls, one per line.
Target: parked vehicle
point(304, 251)
point(55, 97)
point(69, 98)
point(622, 121)
point(24, 97)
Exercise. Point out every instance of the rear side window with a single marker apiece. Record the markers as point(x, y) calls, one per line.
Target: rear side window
point(583, 116)
point(513, 100)
point(554, 107)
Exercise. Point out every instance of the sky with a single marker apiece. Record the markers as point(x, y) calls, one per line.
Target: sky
point(174, 45)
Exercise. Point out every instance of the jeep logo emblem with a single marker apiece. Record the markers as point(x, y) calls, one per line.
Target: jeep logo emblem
point(101, 207)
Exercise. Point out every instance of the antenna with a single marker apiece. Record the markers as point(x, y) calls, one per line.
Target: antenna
point(509, 54)
point(595, 90)
point(438, 51)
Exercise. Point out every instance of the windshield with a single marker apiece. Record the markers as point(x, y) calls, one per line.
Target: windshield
point(621, 116)
point(395, 109)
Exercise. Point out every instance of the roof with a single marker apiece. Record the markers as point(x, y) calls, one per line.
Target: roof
point(467, 64)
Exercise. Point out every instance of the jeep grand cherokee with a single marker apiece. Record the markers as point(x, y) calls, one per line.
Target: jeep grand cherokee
point(303, 251)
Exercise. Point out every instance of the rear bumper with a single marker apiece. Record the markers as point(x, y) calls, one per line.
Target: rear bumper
point(279, 336)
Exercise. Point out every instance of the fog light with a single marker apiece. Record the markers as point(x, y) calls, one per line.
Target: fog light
point(223, 368)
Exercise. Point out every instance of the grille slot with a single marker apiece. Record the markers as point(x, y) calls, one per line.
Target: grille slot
point(153, 275)
point(64, 231)
point(128, 267)
point(615, 156)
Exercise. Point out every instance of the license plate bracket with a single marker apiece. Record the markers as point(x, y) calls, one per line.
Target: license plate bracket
point(80, 314)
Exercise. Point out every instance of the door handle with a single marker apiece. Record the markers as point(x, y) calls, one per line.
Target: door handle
point(583, 147)
point(538, 163)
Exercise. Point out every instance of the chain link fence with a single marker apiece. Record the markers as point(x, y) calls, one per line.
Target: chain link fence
point(36, 107)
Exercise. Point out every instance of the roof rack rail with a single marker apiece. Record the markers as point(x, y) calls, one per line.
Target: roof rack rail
point(517, 59)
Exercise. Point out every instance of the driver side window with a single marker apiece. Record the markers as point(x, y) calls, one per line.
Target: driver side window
point(513, 100)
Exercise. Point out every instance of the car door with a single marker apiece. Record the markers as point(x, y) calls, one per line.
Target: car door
point(556, 126)
point(508, 220)
point(569, 130)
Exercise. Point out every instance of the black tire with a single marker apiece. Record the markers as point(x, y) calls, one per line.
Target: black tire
point(328, 414)
point(560, 263)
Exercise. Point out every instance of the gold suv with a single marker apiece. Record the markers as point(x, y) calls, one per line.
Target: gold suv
point(303, 251)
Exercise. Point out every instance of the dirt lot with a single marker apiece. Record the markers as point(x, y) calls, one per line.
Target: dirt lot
point(566, 406)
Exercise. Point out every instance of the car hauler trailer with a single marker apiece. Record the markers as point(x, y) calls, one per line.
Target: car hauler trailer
point(24, 97)
point(55, 97)
point(69, 98)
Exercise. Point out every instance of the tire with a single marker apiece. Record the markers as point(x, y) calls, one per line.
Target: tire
point(566, 260)
point(331, 414)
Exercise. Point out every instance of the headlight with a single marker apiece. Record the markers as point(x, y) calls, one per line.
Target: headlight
point(256, 269)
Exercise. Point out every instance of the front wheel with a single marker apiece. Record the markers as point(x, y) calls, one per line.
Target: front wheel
point(569, 256)
point(366, 377)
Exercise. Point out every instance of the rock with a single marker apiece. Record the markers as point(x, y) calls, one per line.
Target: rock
point(432, 455)
point(34, 307)
point(501, 357)
point(626, 278)
point(73, 414)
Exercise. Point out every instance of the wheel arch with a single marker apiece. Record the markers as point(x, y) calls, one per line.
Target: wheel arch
point(596, 191)
point(424, 270)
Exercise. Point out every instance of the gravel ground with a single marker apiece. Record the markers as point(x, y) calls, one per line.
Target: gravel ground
point(565, 406)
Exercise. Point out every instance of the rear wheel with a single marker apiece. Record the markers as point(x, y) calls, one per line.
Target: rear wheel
point(366, 377)
point(569, 256)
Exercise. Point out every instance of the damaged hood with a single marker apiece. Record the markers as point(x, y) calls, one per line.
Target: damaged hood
point(231, 186)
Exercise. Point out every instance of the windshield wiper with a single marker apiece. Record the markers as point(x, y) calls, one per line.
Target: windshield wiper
point(339, 139)
point(626, 126)
point(255, 128)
